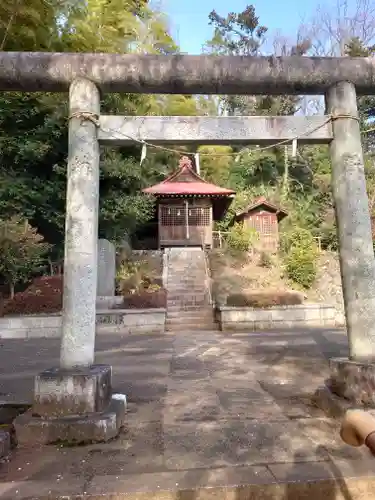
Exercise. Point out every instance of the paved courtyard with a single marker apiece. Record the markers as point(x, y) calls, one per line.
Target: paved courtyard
point(226, 411)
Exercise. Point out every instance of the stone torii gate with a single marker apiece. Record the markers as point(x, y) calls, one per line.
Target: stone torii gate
point(78, 387)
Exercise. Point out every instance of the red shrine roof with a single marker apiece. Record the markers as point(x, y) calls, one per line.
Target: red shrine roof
point(185, 181)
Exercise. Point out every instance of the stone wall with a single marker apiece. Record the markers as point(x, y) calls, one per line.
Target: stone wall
point(132, 320)
point(110, 320)
point(243, 318)
point(108, 302)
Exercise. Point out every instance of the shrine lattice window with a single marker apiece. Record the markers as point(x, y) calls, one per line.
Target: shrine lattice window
point(172, 215)
point(199, 216)
point(267, 228)
point(176, 216)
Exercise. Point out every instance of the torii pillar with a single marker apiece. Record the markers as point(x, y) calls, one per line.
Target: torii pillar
point(352, 379)
point(74, 403)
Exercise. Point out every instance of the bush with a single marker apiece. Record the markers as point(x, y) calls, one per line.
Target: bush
point(264, 299)
point(146, 299)
point(301, 267)
point(241, 238)
point(22, 251)
point(329, 238)
point(134, 276)
point(296, 238)
point(265, 260)
point(44, 295)
point(301, 258)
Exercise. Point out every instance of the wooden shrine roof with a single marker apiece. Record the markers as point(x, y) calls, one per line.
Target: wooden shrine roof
point(186, 182)
point(262, 202)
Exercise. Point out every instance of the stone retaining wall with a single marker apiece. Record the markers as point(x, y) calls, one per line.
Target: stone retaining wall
point(248, 318)
point(108, 302)
point(107, 320)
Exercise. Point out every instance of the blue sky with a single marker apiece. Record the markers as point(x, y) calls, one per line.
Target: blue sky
point(189, 18)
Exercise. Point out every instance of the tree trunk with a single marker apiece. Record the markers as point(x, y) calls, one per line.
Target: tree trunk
point(11, 289)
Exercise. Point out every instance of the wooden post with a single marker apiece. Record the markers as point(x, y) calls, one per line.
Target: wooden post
point(187, 235)
point(357, 261)
point(81, 228)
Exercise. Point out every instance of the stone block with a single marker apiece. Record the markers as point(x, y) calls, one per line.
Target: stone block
point(328, 313)
point(313, 314)
point(50, 333)
point(5, 444)
point(263, 325)
point(294, 313)
point(72, 392)
point(279, 314)
point(353, 381)
point(74, 430)
point(106, 268)
point(108, 302)
point(332, 405)
point(133, 318)
point(340, 319)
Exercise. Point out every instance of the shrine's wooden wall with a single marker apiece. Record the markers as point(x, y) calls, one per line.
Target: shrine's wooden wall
point(173, 221)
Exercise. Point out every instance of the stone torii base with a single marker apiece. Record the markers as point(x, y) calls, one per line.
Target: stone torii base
point(72, 406)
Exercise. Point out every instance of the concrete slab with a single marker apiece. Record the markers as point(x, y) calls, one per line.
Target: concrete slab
point(208, 416)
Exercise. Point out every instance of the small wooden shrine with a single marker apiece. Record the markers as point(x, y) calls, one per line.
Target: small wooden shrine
point(187, 206)
point(264, 217)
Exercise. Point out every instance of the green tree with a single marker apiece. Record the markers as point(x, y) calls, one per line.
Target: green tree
point(30, 25)
point(33, 127)
point(215, 164)
point(300, 257)
point(366, 104)
point(243, 34)
point(22, 252)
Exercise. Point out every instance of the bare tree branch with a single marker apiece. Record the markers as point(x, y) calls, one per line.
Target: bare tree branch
point(331, 27)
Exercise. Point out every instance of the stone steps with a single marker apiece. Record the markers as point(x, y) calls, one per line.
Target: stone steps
point(197, 314)
point(180, 288)
point(184, 326)
point(188, 295)
point(190, 278)
point(190, 319)
point(183, 304)
point(185, 308)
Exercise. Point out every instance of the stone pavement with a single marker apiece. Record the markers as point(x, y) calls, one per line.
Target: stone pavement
point(210, 414)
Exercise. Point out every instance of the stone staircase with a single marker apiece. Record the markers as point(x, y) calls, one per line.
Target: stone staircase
point(188, 304)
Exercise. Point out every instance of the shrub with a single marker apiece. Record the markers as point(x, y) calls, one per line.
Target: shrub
point(296, 238)
point(301, 267)
point(146, 299)
point(264, 299)
point(241, 238)
point(22, 251)
point(301, 258)
point(44, 295)
point(329, 238)
point(265, 260)
point(134, 276)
